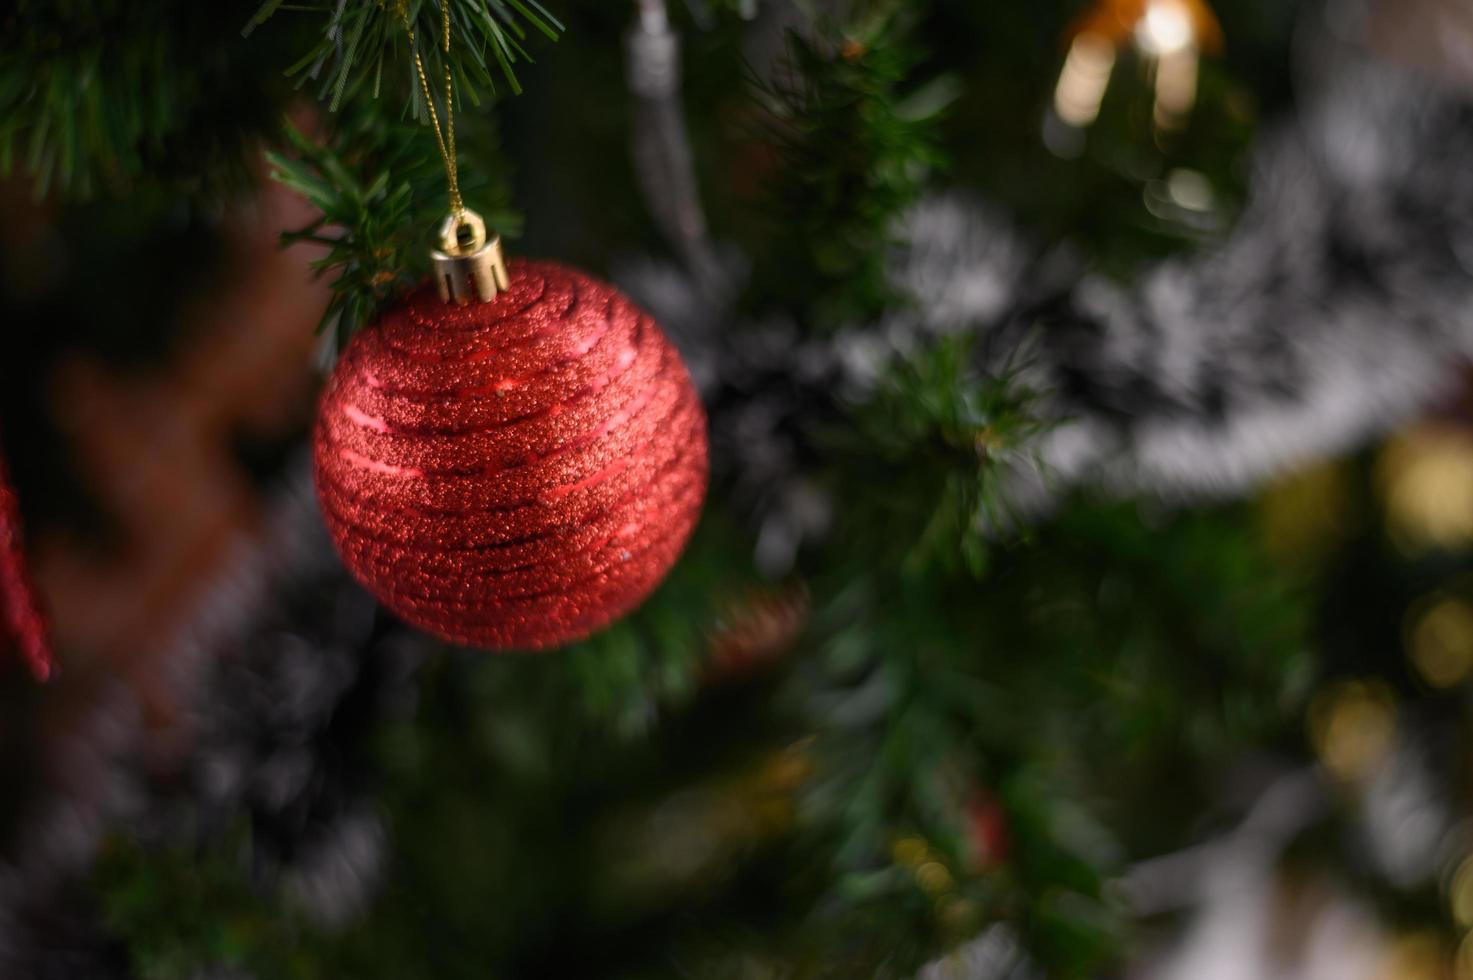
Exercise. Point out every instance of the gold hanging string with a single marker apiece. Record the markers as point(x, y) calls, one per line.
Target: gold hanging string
point(468, 265)
point(446, 137)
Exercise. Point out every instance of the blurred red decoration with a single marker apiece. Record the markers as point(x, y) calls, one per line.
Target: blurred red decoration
point(757, 629)
point(514, 474)
point(22, 627)
point(158, 449)
point(987, 831)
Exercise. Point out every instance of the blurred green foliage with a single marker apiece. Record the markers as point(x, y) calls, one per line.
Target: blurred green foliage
point(99, 96)
point(360, 44)
point(855, 139)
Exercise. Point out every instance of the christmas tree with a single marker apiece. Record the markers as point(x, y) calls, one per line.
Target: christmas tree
point(899, 488)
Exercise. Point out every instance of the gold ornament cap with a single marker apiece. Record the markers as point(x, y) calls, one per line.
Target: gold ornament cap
point(469, 269)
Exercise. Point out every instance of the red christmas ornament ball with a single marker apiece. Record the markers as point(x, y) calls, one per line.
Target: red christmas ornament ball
point(514, 474)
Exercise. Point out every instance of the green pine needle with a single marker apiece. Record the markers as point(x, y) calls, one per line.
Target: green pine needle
point(363, 38)
point(380, 191)
point(859, 143)
point(98, 96)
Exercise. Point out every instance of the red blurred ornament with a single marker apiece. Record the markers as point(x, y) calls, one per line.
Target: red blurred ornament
point(513, 474)
point(756, 629)
point(22, 626)
point(987, 831)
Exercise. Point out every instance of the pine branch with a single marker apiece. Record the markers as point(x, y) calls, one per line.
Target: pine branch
point(378, 183)
point(622, 679)
point(936, 423)
point(1109, 651)
point(857, 145)
point(380, 190)
point(365, 41)
point(97, 95)
point(957, 667)
point(189, 912)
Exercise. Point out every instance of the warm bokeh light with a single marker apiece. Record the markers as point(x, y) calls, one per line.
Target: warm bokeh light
point(1165, 29)
point(1463, 963)
point(1353, 727)
point(1305, 513)
point(1418, 956)
point(910, 851)
point(1176, 87)
point(1439, 640)
point(934, 878)
point(1460, 894)
point(1084, 79)
point(1170, 36)
point(1426, 480)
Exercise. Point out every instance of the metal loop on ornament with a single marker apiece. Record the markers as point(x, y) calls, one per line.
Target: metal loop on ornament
point(472, 271)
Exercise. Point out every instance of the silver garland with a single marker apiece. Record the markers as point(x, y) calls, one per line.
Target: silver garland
point(1338, 307)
